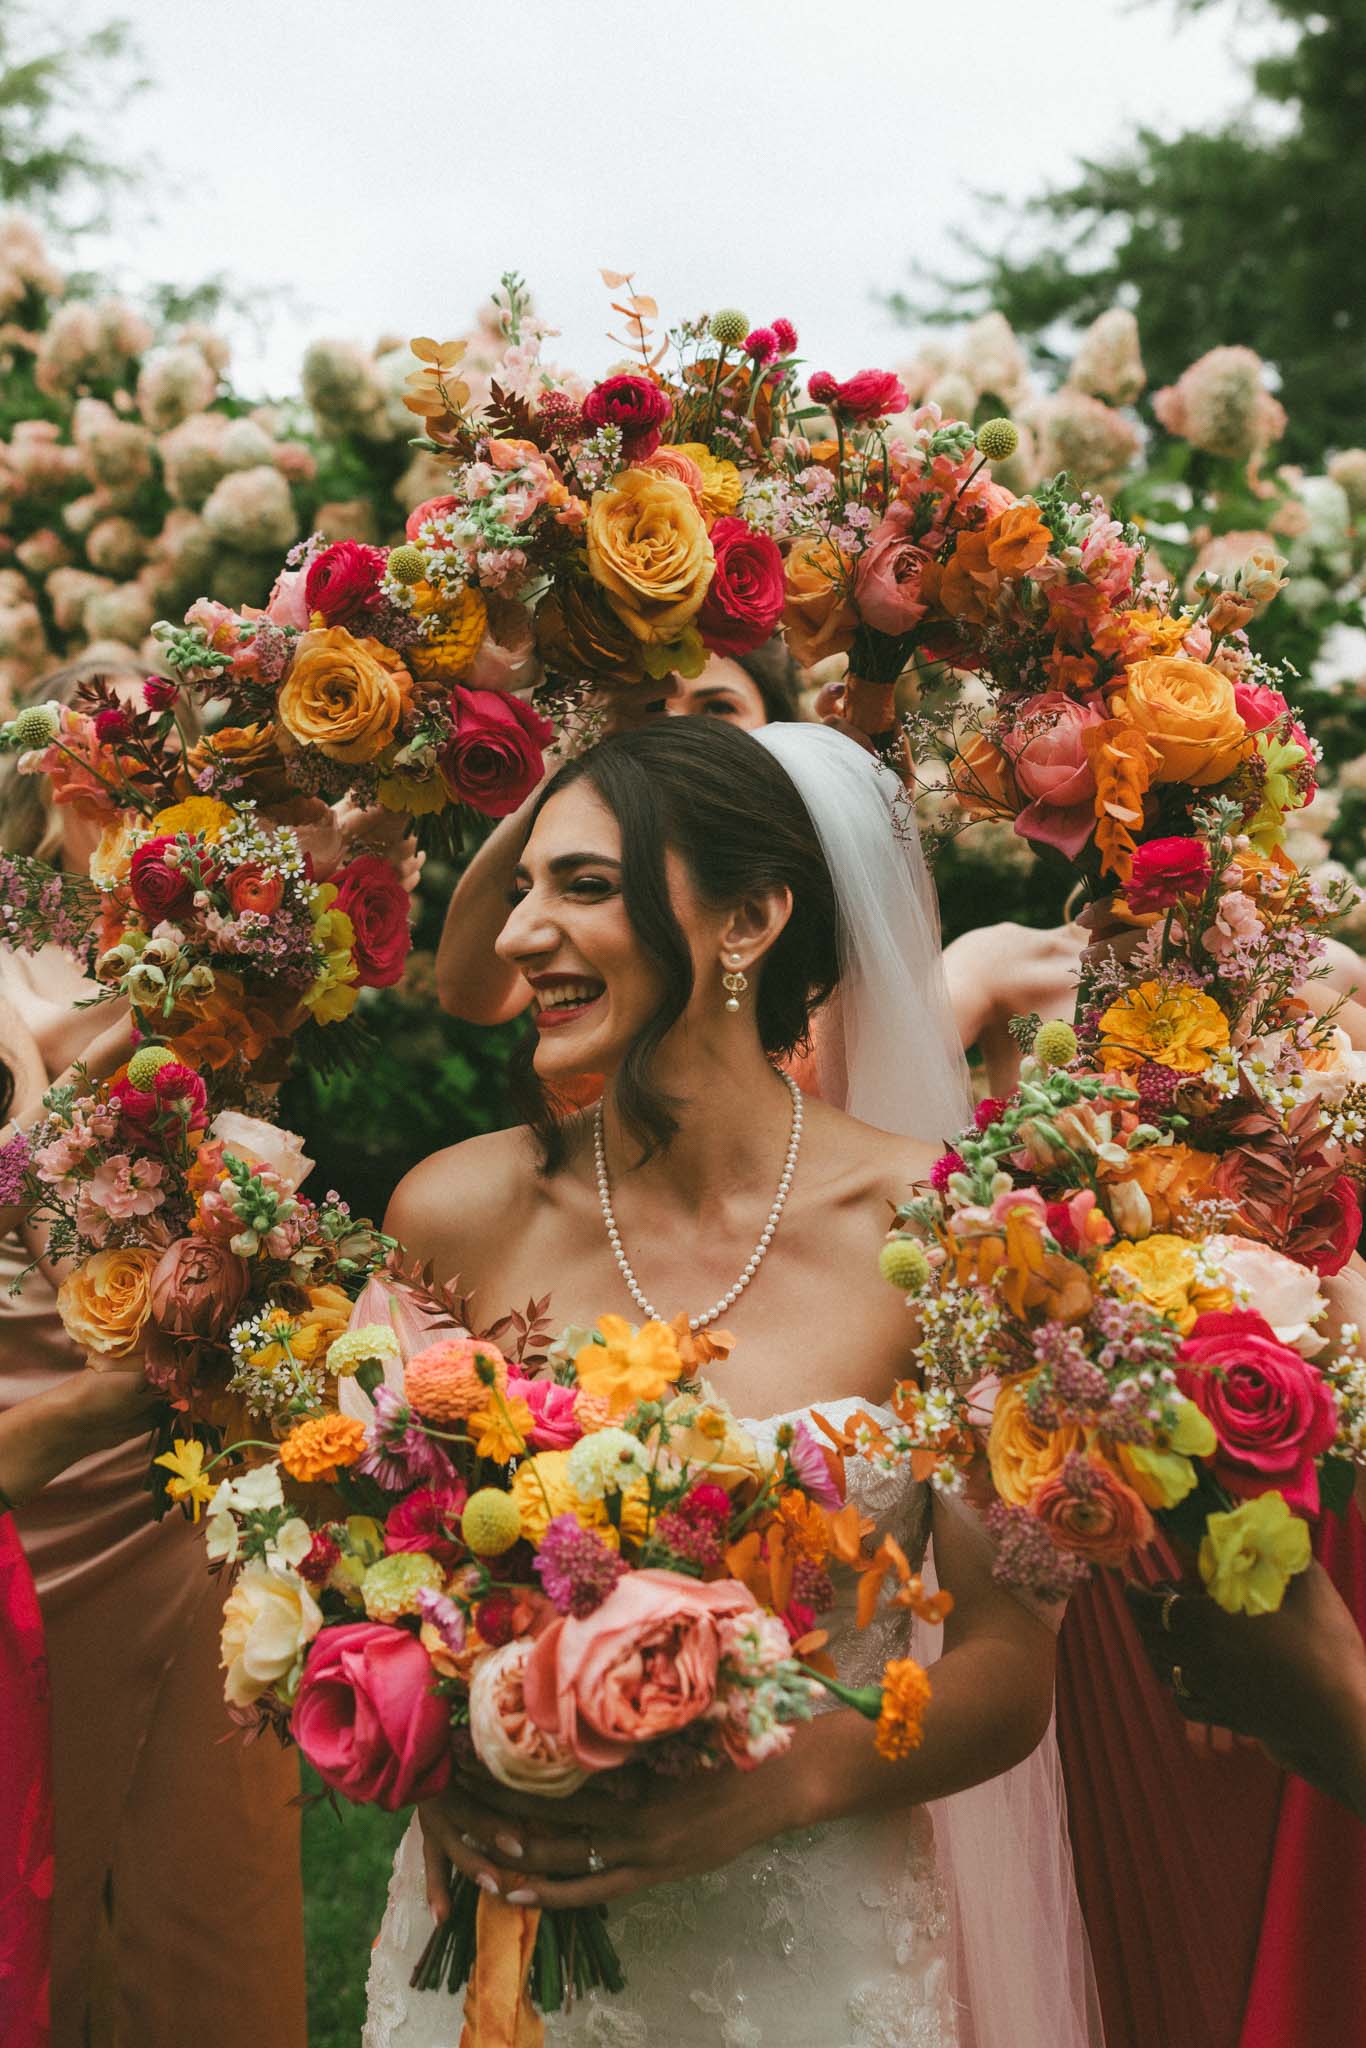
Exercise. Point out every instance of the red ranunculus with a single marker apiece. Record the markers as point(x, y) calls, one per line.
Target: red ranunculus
point(343, 582)
point(745, 599)
point(372, 896)
point(1272, 1412)
point(160, 889)
point(252, 887)
point(636, 405)
point(1165, 870)
point(494, 757)
point(368, 1719)
point(430, 508)
point(866, 396)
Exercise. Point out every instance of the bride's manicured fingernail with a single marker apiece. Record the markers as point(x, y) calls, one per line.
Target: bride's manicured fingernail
point(509, 1845)
point(522, 1897)
point(487, 1883)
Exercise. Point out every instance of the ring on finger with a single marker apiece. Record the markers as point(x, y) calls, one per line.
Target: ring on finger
point(1168, 1609)
point(471, 1843)
point(1179, 1685)
point(597, 1862)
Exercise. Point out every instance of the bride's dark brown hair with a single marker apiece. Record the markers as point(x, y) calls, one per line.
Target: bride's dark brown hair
point(713, 795)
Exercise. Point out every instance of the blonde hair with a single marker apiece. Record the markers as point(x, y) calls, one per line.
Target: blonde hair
point(30, 822)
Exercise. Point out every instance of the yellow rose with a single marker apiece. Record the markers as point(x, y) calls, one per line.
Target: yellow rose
point(1164, 1271)
point(1188, 716)
point(1249, 1556)
point(648, 548)
point(706, 1437)
point(269, 1618)
point(104, 1303)
point(818, 618)
point(344, 696)
point(201, 815)
point(1180, 1028)
point(1021, 1454)
point(541, 1488)
point(722, 483)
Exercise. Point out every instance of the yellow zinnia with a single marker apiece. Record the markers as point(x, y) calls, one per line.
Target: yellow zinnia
point(1180, 1028)
point(542, 1490)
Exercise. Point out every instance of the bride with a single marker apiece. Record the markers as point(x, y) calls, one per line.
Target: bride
point(680, 910)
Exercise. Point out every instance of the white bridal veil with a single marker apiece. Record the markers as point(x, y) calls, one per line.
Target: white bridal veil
point(887, 1051)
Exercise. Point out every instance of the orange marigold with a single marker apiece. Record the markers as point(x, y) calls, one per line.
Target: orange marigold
point(317, 1449)
point(905, 1696)
point(451, 1380)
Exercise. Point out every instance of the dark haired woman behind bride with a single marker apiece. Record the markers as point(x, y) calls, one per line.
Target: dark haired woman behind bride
point(685, 898)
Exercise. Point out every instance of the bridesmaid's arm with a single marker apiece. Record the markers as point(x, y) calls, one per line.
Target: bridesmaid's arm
point(86, 1411)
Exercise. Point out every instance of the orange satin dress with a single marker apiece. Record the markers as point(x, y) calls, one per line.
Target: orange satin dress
point(177, 1908)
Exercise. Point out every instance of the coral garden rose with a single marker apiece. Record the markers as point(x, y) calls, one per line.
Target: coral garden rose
point(1188, 715)
point(634, 404)
point(1090, 1511)
point(430, 508)
point(1046, 748)
point(745, 600)
point(649, 549)
point(368, 1720)
point(344, 696)
point(859, 400)
point(370, 893)
point(643, 1665)
point(195, 1291)
point(1165, 870)
point(104, 1305)
point(1022, 1454)
point(343, 582)
point(160, 886)
point(818, 618)
point(495, 755)
point(1272, 1412)
point(268, 1619)
point(510, 1745)
point(887, 580)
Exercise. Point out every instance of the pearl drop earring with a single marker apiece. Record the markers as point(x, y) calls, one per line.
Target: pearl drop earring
point(734, 983)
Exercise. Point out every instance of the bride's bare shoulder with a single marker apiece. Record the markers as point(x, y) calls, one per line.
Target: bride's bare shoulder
point(463, 1195)
point(866, 1157)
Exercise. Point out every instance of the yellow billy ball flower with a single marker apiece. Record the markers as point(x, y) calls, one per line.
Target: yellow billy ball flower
point(147, 1062)
point(903, 1262)
point(491, 1522)
point(998, 439)
point(407, 564)
point(729, 326)
point(36, 726)
point(1055, 1043)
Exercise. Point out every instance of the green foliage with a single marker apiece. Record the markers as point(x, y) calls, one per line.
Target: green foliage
point(1250, 233)
point(59, 94)
point(348, 1852)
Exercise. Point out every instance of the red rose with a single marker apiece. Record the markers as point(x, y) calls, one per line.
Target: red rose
point(747, 592)
point(159, 888)
point(1272, 1412)
point(1165, 870)
point(866, 396)
point(430, 508)
point(636, 405)
point(343, 582)
point(368, 1719)
point(250, 887)
point(494, 756)
point(1344, 1226)
point(372, 896)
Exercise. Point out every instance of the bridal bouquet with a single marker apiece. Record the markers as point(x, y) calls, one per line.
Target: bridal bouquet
point(558, 1564)
point(1127, 1254)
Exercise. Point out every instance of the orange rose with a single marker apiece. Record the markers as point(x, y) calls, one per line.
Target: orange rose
point(344, 696)
point(251, 751)
point(1188, 716)
point(818, 618)
point(105, 1303)
point(1023, 1455)
point(1017, 540)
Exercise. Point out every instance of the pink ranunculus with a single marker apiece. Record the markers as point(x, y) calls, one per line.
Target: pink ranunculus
point(511, 1746)
point(866, 396)
point(367, 1719)
point(428, 1519)
point(556, 1425)
point(1258, 705)
point(634, 404)
point(372, 896)
point(1272, 1412)
point(1165, 870)
point(343, 582)
point(1047, 751)
point(887, 580)
point(644, 1664)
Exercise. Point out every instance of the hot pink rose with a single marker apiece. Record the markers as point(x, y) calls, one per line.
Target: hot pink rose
point(1258, 705)
point(1271, 1411)
point(887, 581)
point(430, 508)
point(343, 582)
point(1165, 870)
point(643, 1665)
point(866, 396)
point(1046, 748)
point(158, 887)
point(745, 598)
point(428, 1519)
point(367, 1719)
point(372, 896)
point(494, 756)
point(556, 1424)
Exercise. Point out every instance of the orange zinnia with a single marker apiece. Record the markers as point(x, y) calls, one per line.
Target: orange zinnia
point(317, 1449)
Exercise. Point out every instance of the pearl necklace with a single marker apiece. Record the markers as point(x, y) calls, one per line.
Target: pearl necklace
point(757, 1256)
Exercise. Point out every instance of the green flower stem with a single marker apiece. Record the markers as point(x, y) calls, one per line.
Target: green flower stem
point(864, 1699)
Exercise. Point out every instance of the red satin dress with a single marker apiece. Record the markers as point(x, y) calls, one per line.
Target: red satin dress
point(25, 1807)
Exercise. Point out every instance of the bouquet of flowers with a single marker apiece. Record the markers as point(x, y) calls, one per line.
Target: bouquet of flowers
point(509, 1542)
point(193, 1252)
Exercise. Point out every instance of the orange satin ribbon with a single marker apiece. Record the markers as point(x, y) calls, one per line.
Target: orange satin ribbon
point(869, 706)
point(498, 2010)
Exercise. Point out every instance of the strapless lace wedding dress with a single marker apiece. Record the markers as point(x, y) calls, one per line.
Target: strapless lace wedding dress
point(836, 1937)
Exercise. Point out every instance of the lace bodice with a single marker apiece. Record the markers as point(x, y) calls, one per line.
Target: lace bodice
point(835, 1937)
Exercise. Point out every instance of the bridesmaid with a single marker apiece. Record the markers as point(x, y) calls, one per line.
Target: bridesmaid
point(177, 1852)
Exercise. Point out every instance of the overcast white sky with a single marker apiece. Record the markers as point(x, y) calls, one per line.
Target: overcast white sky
point(386, 160)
